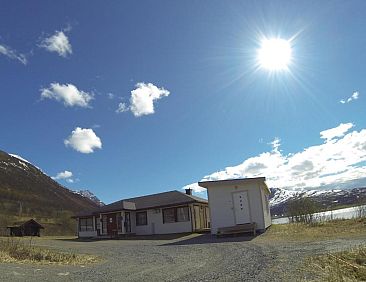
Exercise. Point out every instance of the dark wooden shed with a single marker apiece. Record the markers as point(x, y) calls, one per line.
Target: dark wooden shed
point(28, 228)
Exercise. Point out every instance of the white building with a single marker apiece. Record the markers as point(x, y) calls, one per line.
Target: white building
point(237, 202)
point(163, 213)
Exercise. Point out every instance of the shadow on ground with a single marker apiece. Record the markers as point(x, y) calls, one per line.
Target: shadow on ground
point(210, 239)
point(162, 237)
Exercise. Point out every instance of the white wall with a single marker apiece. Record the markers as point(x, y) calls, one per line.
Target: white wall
point(266, 208)
point(222, 207)
point(155, 222)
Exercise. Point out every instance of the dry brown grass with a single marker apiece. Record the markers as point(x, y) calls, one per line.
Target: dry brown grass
point(17, 250)
point(319, 231)
point(343, 266)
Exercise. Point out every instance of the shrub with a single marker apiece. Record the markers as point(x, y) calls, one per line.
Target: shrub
point(302, 210)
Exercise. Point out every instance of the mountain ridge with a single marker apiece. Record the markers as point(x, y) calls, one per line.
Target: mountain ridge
point(327, 199)
point(26, 191)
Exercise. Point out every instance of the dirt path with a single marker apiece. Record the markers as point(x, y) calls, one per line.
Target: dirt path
point(189, 258)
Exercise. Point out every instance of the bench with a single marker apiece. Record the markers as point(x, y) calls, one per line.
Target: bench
point(237, 229)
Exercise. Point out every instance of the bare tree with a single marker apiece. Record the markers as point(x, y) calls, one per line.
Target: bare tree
point(302, 210)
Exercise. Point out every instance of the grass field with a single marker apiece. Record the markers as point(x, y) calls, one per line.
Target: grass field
point(346, 265)
point(342, 266)
point(343, 228)
point(23, 250)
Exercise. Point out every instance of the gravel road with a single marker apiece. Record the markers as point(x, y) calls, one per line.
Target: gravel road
point(189, 258)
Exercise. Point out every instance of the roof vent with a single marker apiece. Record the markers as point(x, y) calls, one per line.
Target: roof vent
point(189, 191)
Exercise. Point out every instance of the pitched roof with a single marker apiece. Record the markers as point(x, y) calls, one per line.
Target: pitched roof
point(29, 222)
point(164, 199)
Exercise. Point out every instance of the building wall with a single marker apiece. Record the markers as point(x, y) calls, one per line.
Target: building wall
point(222, 206)
point(155, 224)
point(266, 208)
point(87, 233)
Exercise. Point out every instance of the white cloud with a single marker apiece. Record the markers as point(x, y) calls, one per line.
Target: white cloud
point(68, 94)
point(58, 43)
point(143, 98)
point(338, 131)
point(83, 140)
point(355, 95)
point(12, 54)
point(340, 160)
point(122, 107)
point(63, 175)
point(110, 96)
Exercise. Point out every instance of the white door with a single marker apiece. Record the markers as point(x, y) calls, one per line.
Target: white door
point(241, 207)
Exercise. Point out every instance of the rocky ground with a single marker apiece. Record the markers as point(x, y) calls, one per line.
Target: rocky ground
point(194, 257)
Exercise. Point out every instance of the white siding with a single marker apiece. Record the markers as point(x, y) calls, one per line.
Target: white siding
point(266, 208)
point(155, 225)
point(222, 206)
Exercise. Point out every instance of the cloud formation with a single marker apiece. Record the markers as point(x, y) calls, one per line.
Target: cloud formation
point(122, 107)
point(68, 94)
point(338, 131)
point(12, 54)
point(340, 159)
point(142, 99)
point(355, 95)
point(63, 175)
point(83, 140)
point(58, 43)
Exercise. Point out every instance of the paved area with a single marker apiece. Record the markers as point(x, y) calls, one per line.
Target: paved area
point(194, 257)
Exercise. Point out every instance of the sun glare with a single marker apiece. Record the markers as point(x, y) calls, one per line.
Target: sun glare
point(275, 54)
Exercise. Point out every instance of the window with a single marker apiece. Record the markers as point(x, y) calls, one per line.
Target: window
point(182, 214)
point(141, 218)
point(86, 224)
point(175, 215)
point(169, 215)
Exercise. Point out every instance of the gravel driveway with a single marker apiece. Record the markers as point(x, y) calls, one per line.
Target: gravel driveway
point(189, 258)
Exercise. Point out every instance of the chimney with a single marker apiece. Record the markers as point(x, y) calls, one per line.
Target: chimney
point(189, 191)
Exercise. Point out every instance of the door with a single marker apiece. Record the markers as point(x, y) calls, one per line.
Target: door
point(111, 224)
point(127, 222)
point(241, 207)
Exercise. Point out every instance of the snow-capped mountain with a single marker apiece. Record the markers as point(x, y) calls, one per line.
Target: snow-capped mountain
point(25, 188)
point(326, 198)
point(90, 195)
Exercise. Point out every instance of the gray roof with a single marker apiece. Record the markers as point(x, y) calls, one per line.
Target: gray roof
point(205, 184)
point(164, 199)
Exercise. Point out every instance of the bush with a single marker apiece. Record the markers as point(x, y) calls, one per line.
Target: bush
point(302, 210)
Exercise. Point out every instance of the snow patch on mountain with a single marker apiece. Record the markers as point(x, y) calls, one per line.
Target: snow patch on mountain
point(90, 195)
point(22, 161)
point(280, 196)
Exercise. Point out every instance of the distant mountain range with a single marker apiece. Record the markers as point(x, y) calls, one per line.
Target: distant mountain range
point(26, 191)
point(327, 199)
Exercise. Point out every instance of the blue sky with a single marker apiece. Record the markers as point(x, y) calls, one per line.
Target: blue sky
point(193, 102)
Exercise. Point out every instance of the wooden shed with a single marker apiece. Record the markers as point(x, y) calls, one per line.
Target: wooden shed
point(28, 228)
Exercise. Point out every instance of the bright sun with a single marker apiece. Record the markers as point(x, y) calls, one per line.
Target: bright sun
point(275, 54)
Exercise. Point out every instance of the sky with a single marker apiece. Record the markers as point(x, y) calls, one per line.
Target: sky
point(129, 98)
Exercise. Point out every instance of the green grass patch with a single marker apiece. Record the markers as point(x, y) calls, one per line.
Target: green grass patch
point(17, 250)
point(342, 266)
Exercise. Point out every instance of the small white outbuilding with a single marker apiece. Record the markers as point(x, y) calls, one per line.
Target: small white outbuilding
point(237, 202)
